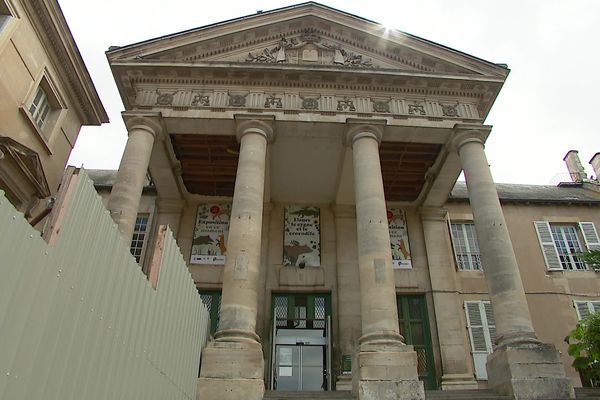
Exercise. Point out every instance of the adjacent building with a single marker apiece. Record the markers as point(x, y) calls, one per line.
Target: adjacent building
point(46, 95)
point(306, 160)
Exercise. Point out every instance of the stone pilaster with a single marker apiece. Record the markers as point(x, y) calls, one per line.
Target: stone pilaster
point(457, 371)
point(232, 365)
point(124, 199)
point(520, 365)
point(169, 213)
point(385, 367)
point(348, 286)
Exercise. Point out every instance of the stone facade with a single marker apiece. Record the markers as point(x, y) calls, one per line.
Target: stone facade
point(47, 95)
point(307, 164)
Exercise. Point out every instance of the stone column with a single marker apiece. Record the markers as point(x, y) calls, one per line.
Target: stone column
point(457, 371)
point(124, 199)
point(520, 365)
point(232, 365)
point(386, 368)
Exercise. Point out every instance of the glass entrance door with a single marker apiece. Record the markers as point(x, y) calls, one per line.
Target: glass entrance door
point(301, 343)
point(299, 368)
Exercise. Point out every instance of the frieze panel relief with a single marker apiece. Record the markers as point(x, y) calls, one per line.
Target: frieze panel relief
point(309, 48)
point(307, 102)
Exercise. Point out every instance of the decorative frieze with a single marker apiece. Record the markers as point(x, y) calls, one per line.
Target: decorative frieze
point(219, 99)
point(237, 100)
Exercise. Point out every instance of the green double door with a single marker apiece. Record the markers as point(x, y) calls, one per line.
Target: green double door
point(414, 326)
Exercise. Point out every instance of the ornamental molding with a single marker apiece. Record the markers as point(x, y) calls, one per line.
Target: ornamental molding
point(223, 99)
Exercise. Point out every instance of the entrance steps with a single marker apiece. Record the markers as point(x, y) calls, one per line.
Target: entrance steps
point(478, 394)
point(333, 395)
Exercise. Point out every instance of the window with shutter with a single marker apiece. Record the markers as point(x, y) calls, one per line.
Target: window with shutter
point(584, 308)
point(561, 244)
point(482, 332)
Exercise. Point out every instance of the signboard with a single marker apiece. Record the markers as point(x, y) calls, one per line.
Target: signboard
point(399, 238)
point(302, 236)
point(210, 234)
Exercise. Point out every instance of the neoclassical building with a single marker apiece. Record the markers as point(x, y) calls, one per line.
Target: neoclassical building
point(305, 159)
point(46, 95)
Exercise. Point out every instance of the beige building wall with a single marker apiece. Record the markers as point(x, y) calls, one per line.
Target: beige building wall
point(550, 294)
point(33, 58)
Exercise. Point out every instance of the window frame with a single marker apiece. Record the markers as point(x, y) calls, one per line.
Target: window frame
point(142, 249)
point(47, 132)
point(465, 240)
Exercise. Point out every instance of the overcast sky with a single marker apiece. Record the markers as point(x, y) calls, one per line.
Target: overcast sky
point(548, 105)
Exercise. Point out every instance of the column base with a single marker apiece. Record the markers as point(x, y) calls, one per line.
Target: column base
point(387, 372)
point(231, 371)
point(458, 382)
point(528, 371)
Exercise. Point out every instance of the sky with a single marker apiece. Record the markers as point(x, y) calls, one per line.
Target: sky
point(546, 107)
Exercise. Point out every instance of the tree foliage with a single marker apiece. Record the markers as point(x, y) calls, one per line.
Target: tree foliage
point(592, 258)
point(584, 347)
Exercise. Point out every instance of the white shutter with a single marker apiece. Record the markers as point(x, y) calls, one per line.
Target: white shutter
point(585, 308)
point(453, 239)
point(590, 235)
point(480, 333)
point(547, 244)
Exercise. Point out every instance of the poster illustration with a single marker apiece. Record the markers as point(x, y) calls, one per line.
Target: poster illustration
point(399, 238)
point(210, 234)
point(302, 236)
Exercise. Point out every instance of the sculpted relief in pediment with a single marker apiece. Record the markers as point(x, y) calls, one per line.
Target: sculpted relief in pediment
point(309, 48)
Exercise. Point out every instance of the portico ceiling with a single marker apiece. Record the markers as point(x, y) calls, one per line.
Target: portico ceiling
point(302, 168)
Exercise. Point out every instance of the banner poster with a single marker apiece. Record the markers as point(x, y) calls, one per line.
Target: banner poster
point(210, 234)
point(399, 238)
point(302, 236)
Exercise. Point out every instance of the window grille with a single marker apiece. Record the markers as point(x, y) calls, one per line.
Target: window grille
point(466, 248)
point(139, 236)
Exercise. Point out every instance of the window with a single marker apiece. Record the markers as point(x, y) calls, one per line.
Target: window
point(585, 308)
point(482, 332)
point(44, 109)
point(466, 248)
point(5, 15)
point(561, 244)
point(40, 107)
point(139, 236)
point(212, 301)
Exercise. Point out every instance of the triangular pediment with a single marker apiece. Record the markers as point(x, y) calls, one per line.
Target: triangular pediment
point(308, 35)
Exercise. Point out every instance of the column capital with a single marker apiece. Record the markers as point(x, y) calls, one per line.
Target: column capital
point(147, 121)
point(360, 128)
point(250, 123)
point(433, 214)
point(465, 133)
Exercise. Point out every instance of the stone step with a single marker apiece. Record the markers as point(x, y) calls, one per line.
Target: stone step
point(321, 395)
point(476, 394)
point(587, 393)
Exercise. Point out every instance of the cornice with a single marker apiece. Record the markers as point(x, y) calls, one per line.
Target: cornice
point(53, 31)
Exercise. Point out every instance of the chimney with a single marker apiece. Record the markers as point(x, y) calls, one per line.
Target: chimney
point(595, 161)
point(574, 166)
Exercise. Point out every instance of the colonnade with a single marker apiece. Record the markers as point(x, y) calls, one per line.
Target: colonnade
point(384, 366)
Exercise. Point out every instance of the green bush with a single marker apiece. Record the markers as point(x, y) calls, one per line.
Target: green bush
point(584, 347)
